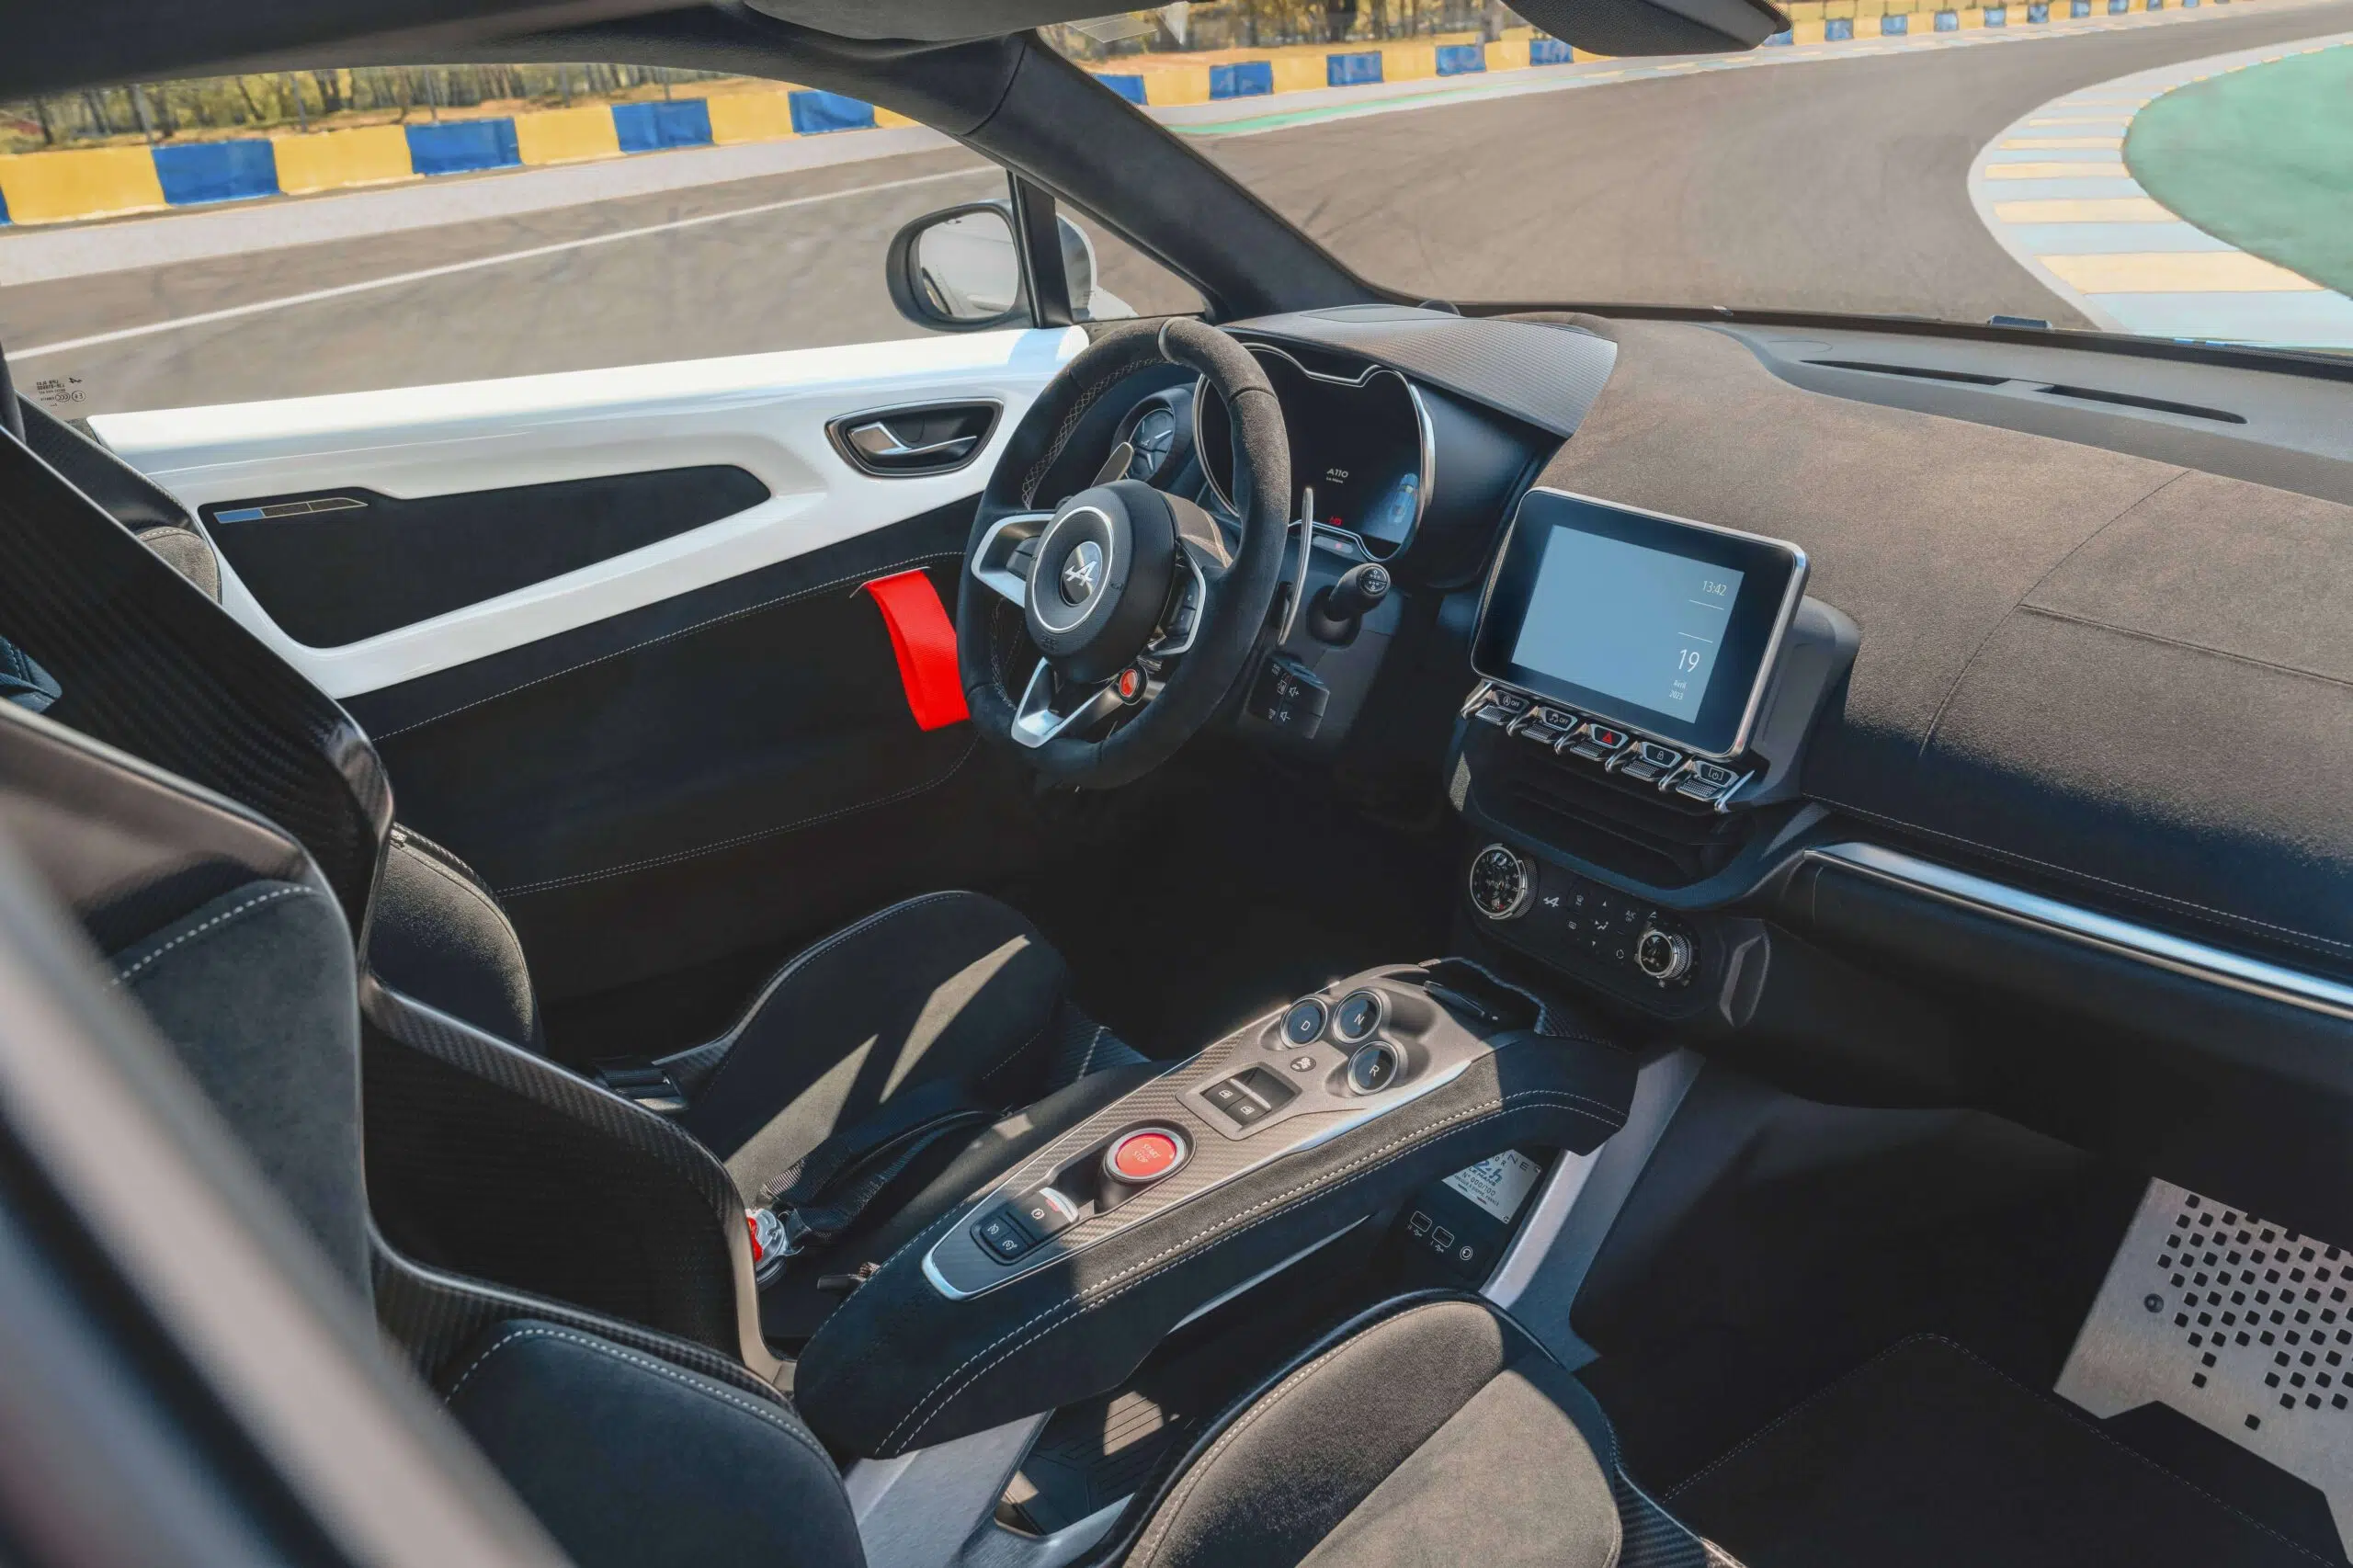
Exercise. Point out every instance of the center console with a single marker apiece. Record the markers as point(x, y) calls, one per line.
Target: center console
point(1630, 754)
point(1352, 1104)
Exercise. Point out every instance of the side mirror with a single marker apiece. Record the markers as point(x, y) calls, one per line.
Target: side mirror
point(959, 270)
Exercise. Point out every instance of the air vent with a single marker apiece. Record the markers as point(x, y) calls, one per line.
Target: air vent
point(1654, 840)
point(1920, 372)
point(2156, 405)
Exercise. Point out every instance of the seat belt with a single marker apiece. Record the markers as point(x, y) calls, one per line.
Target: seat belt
point(823, 1193)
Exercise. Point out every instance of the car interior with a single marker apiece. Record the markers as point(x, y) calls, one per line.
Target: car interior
point(1344, 929)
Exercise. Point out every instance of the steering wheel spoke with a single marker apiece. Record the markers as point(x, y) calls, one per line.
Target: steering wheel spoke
point(1001, 563)
point(1051, 704)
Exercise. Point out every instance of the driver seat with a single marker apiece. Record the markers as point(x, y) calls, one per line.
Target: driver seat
point(881, 1056)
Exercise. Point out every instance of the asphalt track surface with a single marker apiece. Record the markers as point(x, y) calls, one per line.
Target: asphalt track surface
point(1839, 185)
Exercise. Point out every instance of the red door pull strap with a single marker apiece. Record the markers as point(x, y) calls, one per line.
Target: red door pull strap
point(925, 640)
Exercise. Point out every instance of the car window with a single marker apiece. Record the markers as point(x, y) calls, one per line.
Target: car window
point(2171, 168)
point(274, 236)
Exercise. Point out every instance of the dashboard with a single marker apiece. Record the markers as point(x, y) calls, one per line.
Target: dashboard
point(2015, 778)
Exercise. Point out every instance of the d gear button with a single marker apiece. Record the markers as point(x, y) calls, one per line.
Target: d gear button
point(1143, 1157)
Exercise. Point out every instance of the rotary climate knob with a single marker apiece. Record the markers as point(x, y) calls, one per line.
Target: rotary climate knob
point(1665, 955)
point(1502, 884)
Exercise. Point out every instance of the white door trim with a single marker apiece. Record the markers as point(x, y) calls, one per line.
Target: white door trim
point(763, 413)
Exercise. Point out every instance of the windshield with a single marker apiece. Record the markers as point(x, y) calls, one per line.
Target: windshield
point(2163, 167)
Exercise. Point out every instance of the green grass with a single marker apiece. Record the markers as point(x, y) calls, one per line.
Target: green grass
point(2261, 157)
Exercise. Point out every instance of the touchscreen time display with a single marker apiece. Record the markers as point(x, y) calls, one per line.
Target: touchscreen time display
point(1635, 623)
point(1663, 625)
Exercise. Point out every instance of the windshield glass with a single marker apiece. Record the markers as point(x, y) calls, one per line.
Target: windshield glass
point(2167, 167)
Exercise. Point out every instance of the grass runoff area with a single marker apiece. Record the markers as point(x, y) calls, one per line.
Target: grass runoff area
point(2262, 158)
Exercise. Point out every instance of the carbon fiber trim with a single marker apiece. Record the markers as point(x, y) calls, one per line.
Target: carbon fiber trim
point(150, 665)
point(498, 1164)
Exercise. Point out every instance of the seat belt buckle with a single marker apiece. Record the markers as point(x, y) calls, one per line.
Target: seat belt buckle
point(772, 1244)
point(639, 1078)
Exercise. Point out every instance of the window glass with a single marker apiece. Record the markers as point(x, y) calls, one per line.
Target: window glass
point(276, 235)
point(2174, 168)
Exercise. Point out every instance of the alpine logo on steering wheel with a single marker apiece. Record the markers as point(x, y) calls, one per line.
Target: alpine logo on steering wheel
point(1082, 571)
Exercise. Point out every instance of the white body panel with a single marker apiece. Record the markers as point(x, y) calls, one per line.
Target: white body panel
point(763, 413)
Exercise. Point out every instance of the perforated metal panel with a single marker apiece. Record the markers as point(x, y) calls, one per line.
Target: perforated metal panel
point(2237, 1323)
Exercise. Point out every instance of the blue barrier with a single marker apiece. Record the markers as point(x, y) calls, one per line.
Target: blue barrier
point(1839, 30)
point(1781, 37)
point(1948, 21)
point(461, 145)
point(2039, 12)
point(651, 128)
point(1243, 79)
point(1352, 70)
point(814, 113)
point(1550, 51)
point(1895, 26)
point(1997, 16)
point(196, 171)
point(1461, 59)
point(1127, 85)
point(2079, 8)
point(3, 207)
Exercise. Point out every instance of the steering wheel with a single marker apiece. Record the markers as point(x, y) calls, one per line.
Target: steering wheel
point(1131, 597)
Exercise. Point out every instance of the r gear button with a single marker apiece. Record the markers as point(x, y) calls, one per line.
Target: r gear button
point(1145, 1156)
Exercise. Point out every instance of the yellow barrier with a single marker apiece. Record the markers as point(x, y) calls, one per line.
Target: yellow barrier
point(1807, 32)
point(328, 160)
point(885, 119)
point(94, 182)
point(1175, 84)
point(1299, 73)
point(1508, 55)
point(753, 116)
point(1408, 61)
point(567, 135)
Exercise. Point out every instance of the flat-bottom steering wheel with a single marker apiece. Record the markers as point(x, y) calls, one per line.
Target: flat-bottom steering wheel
point(1133, 597)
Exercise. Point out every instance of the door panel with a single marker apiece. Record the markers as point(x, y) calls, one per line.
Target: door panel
point(694, 747)
point(336, 567)
point(765, 414)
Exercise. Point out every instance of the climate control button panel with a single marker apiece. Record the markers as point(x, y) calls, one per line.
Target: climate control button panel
point(1557, 913)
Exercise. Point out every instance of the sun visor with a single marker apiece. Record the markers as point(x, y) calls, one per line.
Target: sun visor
point(1606, 27)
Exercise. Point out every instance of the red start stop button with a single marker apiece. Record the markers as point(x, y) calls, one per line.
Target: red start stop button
point(1145, 1156)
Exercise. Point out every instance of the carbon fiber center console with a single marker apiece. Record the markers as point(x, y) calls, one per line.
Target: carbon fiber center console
point(1328, 1065)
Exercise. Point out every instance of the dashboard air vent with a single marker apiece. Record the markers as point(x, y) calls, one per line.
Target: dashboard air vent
point(1922, 372)
point(2156, 404)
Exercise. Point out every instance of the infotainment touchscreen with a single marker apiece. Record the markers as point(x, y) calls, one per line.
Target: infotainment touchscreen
point(1657, 623)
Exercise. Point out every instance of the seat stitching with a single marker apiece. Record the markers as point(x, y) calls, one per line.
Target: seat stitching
point(1094, 1295)
point(222, 917)
point(525, 888)
point(516, 1336)
point(793, 596)
point(2067, 1415)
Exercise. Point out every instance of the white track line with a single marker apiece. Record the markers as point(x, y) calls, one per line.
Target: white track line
point(2092, 207)
point(502, 258)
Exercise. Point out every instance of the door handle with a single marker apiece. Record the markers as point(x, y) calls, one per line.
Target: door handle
point(878, 443)
point(907, 443)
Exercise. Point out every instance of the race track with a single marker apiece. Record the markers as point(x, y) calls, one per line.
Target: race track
point(1839, 184)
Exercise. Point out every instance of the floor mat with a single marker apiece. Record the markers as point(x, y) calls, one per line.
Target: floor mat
point(2239, 1324)
point(1929, 1457)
